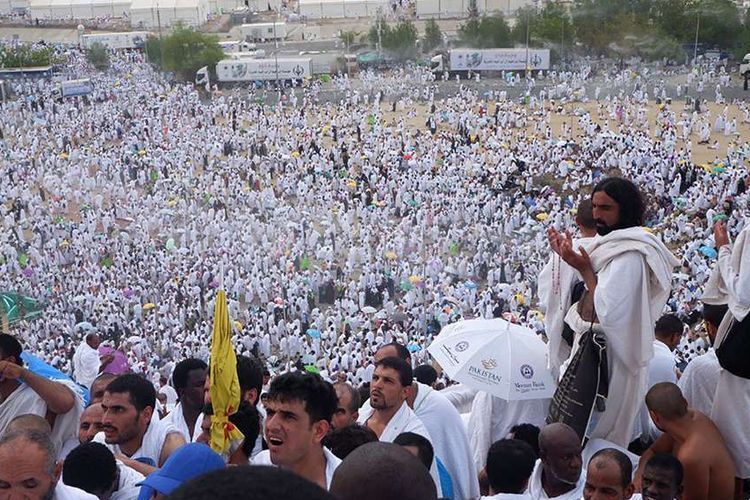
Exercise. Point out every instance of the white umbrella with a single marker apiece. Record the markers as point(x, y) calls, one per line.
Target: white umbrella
point(506, 360)
point(369, 310)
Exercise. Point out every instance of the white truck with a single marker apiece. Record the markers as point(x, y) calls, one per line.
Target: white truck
point(236, 46)
point(481, 60)
point(73, 88)
point(252, 70)
point(260, 32)
point(116, 41)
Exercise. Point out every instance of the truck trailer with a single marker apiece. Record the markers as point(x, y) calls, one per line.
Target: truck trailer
point(252, 70)
point(116, 41)
point(483, 60)
point(74, 88)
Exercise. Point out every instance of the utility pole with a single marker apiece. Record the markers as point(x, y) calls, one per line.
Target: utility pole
point(380, 36)
point(695, 46)
point(158, 18)
point(562, 42)
point(276, 57)
point(528, 20)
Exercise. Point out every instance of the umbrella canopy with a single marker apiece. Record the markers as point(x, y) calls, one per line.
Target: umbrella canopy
point(369, 310)
point(15, 307)
point(506, 360)
point(119, 363)
point(225, 386)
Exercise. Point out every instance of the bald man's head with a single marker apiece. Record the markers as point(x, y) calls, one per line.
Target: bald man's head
point(382, 470)
point(560, 453)
point(666, 401)
point(29, 422)
point(90, 423)
point(553, 434)
point(98, 386)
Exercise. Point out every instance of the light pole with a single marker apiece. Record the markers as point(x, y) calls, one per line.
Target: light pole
point(158, 18)
point(380, 27)
point(528, 20)
point(695, 46)
point(276, 57)
point(562, 42)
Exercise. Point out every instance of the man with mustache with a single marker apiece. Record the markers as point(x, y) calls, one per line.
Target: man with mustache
point(627, 273)
point(129, 429)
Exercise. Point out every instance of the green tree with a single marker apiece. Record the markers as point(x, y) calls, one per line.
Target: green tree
point(379, 32)
point(153, 50)
point(401, 41)
point(743, 43)
point(433, 37)
point(720, 24)
point(485, 33)
point(21, 56)
point(348, 38)
point(553, 25)
point(98, 56)
point(185, 51)
point(526, 17)
point(674, 19)
point(594, 23)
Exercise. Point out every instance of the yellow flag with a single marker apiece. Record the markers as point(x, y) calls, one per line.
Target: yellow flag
point(225, 386)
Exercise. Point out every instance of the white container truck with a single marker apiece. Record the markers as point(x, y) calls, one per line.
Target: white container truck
point(116, 41)
point(259, 32)
point(251, 70)
point(480, 60)
point(73, 88)
point(236, 46)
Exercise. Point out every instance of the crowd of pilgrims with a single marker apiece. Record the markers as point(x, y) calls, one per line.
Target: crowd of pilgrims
point(337, 226)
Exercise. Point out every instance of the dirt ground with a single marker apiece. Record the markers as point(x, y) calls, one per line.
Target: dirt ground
point(702, 153)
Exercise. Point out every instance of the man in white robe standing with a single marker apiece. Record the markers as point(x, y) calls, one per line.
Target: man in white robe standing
point(627, 272)
point(86, 362)
point(730, 284)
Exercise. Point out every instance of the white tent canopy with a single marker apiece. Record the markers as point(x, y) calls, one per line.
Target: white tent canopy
point(152, 13)
point(7, 6)
point(446, 9)
point(322, 9)
point(78, 9)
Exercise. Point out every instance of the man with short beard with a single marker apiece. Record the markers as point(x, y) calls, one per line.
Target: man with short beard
point(28, 469)
point(558, 472)
point(129, 431)
point(627, 273)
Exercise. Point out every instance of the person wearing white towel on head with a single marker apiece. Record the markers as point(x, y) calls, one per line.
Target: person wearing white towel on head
point(729, 283)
